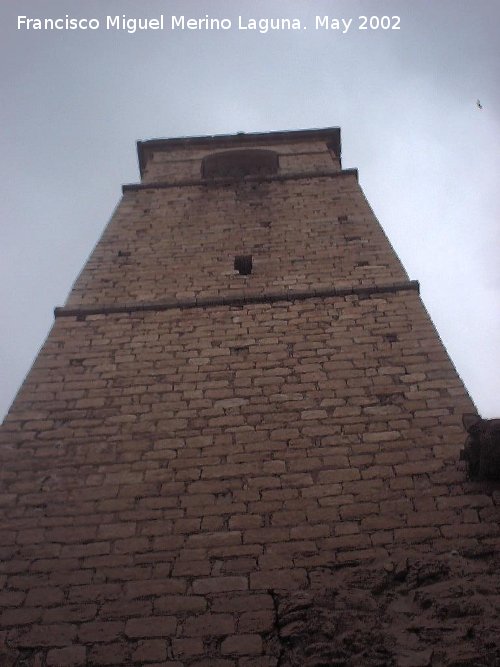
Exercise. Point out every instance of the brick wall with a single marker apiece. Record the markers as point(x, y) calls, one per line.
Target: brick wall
point(174, 478)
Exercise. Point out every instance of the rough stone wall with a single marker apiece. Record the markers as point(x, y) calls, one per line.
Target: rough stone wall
point(254, 485)
point(183, 163)
point(181, 241)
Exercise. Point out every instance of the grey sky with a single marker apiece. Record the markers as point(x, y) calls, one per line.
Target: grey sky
point(74, 103)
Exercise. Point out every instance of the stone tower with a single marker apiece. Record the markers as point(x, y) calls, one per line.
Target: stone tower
point(238, 446)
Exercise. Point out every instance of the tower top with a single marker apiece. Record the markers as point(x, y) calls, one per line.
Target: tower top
point(329, 134)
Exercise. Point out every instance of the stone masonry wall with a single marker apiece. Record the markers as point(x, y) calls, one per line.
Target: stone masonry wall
point(165, 471)
point(180, 164)
point(262, 484)
point(181, 241)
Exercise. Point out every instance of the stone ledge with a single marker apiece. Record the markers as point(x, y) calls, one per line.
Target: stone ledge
point(213, 182)
point(271, 296)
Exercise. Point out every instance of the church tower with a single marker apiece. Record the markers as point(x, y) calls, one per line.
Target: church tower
point(239, 444)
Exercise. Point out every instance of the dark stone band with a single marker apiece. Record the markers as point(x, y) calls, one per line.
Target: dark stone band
point(226, 180)
point(238, 299)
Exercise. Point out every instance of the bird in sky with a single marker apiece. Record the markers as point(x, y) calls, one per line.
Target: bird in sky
point(480, 106)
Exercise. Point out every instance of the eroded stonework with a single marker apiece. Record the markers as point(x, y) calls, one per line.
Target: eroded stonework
point(411, 611)
point(482, 448)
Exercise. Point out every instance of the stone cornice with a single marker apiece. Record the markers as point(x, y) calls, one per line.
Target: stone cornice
point(238, 299)
point(215, 182)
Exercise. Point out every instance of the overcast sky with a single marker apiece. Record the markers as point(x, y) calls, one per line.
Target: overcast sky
point(73, 104)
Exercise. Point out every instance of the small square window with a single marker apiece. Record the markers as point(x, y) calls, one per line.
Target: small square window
point(243, 264)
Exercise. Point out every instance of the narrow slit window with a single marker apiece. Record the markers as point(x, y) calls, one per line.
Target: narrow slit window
point(243, 264)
